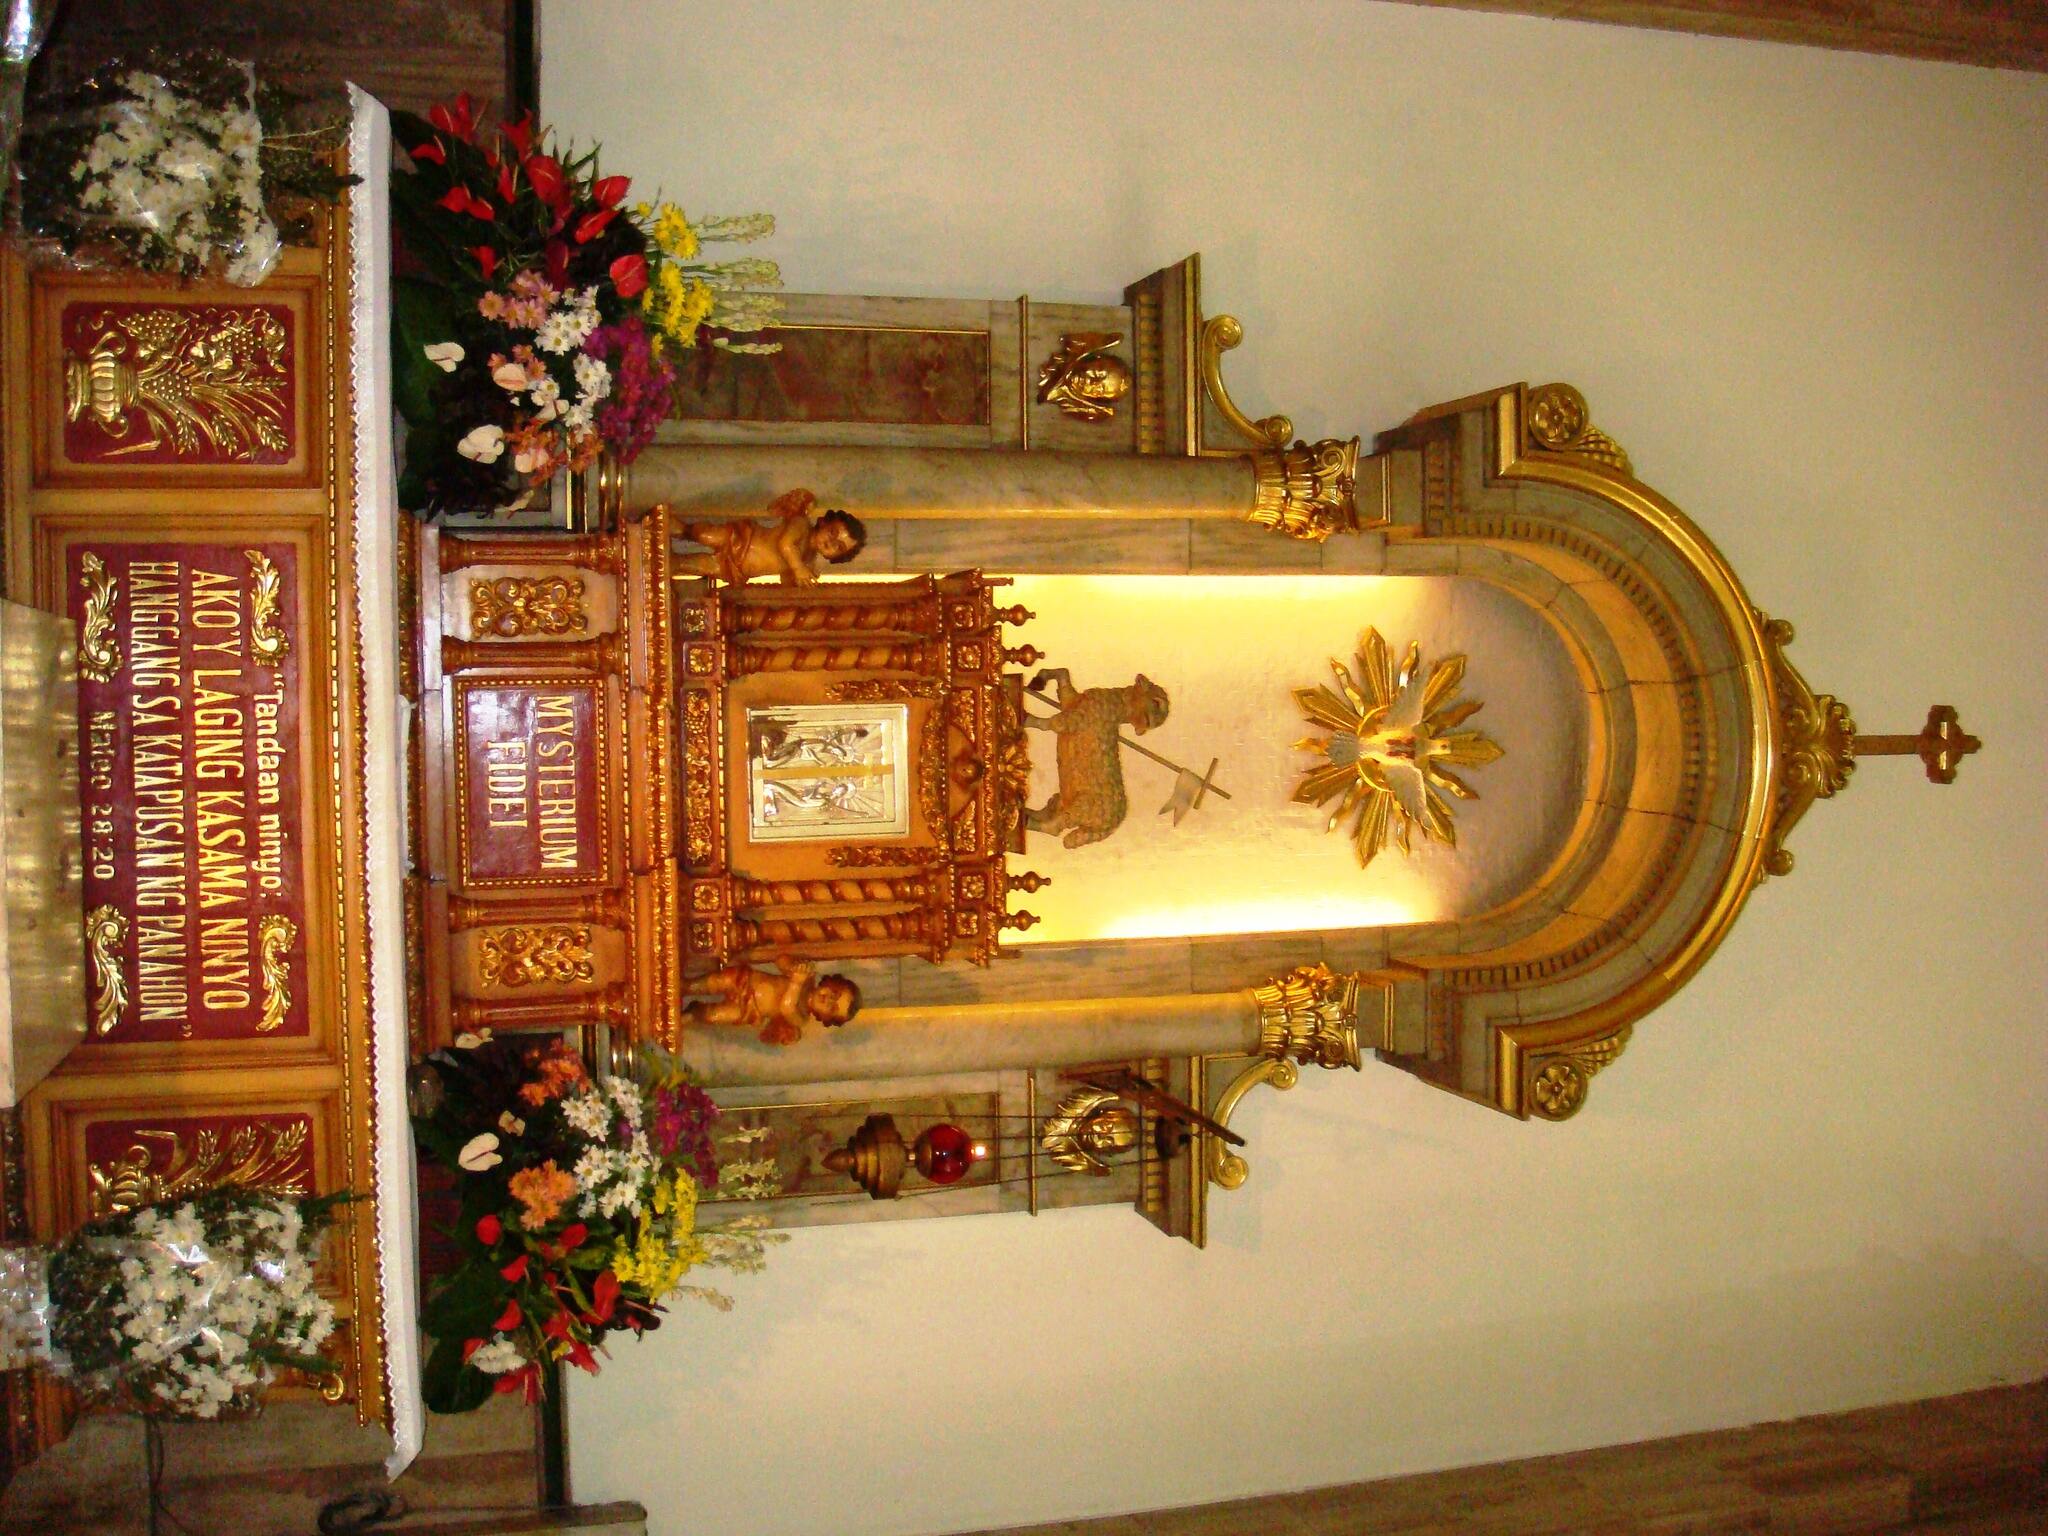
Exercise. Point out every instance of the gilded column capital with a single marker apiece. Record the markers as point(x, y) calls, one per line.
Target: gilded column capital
point(1310, 1016)
point(1307, 491)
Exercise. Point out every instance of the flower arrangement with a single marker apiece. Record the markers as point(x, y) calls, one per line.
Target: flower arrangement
point(183, 1309)
point(175, 163)
point(579, 1209)
point(544, 313)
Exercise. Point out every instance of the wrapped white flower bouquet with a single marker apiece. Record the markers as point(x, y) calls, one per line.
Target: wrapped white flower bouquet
point(185, 1309)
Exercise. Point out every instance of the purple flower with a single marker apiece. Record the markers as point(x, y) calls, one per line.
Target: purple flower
point(641, 386)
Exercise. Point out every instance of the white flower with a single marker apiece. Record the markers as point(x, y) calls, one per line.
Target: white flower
point(577, 418)
point(509, 376)
point(480, 1153)
point(593, 378)
point(445, 355)
point(498, 1357)
point(546, 391)
point(587, 1114)
point(467, 1041)
point(485, 444)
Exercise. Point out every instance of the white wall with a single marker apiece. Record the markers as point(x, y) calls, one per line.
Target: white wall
point(1807, 291)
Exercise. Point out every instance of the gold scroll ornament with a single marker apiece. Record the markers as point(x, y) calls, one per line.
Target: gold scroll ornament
point(1304, 490)
point(513, 606)
point(106, 930)
point(1310, 1015)
point(1557, 1087)
point(274, 936)
point(256, 1156)
point(556, 954)
point(192, 375)
point(268, 642)
point(99, 654)
point(1082, 379)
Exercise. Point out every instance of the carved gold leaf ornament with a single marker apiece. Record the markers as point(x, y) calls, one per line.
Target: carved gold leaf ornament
point(1561, 422)
point(554, 954)
point(265, 1157)
point(512, 606)
point(1391, 747)
point(195, 376)
point(1307, 490)
point(99, 654)
point(1557, 1085)
point(268, 642)
point(106, 930)
point(1082, 379)
point(275, 934)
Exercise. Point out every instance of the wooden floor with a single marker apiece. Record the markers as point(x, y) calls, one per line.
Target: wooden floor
point(1974, 1465)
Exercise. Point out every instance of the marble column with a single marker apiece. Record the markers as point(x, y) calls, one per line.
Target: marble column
point(725, 480)
point(980, 1037)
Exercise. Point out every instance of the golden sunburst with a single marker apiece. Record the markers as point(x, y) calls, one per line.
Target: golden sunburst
point(1391, 747)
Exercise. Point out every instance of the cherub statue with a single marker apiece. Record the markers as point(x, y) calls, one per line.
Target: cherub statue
point(790, 549)
point(778, 1004)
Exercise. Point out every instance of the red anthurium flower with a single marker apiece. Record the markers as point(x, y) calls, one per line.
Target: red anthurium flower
point(455, 199)
point(607, 190)
point(456, 119)
point(591, 225)
point(525, 1380)
point(581, 1357)
point(479, 209)
point(572, 1236)
point(549, 184)
point(506, 186)
point(486, 260)
point(520, 134)
point(604, 1297)
point(431, 150)
point(489, 1230)
point(629, 276)
point(555, 257)
point(510, 1318)
point(470, 1347)
point(557, 1326)
point(516, 1270)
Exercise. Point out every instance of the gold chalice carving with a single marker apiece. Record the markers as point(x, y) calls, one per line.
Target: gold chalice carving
point(1391, 747)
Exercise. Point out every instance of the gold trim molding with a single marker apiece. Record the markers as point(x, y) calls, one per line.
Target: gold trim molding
point(106, 930)
point(1818, 750)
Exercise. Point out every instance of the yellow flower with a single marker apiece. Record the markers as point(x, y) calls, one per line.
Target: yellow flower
point(672, 232)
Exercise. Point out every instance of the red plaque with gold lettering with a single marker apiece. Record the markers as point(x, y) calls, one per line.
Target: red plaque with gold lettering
point(531, 790)
point(188, 701)
point(175, 383)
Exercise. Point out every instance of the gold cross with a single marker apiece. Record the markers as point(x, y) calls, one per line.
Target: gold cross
point(1941, 744)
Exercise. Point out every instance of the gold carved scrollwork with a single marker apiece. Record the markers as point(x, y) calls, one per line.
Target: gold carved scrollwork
point(268, 642)
point(512, 606)
point(99, 655)
point(1224, 1166)
point(1089, 1126)
point(1221, 334)
point(1310, 1015)
point(193, 375)
point(1308, 491)
point(700, 775)
point(556, 954)
point(1082, 379)
point(106, 930)
point(275, 934)
point(1817, 749)
point(262, 1157)
point(1560, 421)
point(884, 690)
point(1557, 1085)
point(882, 856)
